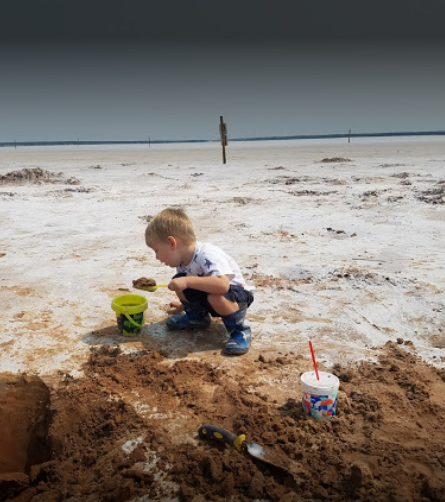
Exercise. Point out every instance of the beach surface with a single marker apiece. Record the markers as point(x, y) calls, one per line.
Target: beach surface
point(344, 245)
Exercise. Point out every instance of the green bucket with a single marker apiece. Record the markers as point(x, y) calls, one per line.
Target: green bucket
point(130, 313)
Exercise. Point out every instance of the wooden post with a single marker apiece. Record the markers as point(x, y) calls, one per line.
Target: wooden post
point(349, 136)
point(223, 134)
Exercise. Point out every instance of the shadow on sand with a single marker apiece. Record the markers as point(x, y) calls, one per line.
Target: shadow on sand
point(156, 336)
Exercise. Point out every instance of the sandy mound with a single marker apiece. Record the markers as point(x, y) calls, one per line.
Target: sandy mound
point(336, 159)
point(435, 195)
point(35, 176)
point(143, 282)
point(385, 444)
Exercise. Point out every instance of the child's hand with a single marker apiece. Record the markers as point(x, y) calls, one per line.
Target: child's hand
point(177, 307)
point(178, 285)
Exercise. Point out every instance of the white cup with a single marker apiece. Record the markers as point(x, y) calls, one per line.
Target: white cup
point(319, 397)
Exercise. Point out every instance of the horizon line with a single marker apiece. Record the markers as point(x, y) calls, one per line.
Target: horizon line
point(253, 138)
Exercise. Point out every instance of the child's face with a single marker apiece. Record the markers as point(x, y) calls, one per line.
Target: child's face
point(167, 252)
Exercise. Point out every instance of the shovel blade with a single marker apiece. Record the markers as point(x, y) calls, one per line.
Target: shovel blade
point(267, 456)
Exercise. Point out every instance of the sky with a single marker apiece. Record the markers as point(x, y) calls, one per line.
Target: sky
point(167, 71)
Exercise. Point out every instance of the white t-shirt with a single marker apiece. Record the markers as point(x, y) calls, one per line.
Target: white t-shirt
point(209, 259)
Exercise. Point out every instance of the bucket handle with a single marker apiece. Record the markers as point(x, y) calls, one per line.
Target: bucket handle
point(133, 321)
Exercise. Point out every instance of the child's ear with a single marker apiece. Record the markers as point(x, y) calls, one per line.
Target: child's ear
point(172, 241)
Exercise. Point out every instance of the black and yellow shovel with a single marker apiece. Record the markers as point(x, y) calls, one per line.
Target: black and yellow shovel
point(241, 444)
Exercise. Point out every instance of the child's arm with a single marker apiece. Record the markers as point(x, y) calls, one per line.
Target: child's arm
point(214, 284)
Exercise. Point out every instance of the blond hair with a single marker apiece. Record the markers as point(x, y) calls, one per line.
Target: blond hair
point(170, 222)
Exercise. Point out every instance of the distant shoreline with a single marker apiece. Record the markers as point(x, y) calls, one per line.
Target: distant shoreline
point(263, 138)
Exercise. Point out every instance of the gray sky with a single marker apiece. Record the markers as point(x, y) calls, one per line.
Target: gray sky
point(126, 71)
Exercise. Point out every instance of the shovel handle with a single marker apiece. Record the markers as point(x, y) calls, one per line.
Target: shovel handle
point(132, 321)
point(221, 435)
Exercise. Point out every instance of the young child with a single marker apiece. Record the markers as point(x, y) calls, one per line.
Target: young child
point(208, 282)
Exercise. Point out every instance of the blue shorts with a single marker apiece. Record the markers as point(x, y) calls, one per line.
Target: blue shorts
point(236, 294)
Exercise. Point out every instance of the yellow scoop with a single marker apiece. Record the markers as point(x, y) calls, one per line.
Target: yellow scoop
point(151, 289)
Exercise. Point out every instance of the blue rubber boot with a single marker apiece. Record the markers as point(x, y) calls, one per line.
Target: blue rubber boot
point(240, 334)
point(194, 318)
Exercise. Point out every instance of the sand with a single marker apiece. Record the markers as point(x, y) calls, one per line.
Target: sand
point(343, 243)
point(143, 282)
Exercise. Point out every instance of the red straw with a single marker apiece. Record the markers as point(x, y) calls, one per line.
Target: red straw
point(313, 359)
